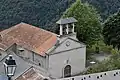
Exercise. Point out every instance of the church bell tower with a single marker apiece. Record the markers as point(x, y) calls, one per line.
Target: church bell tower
point(66, 26)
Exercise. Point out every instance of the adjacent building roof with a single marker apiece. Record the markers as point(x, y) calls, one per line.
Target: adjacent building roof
point(20, 68)
point(23, 67)
point(28, 36)
point(66, 20)
point(31, 74)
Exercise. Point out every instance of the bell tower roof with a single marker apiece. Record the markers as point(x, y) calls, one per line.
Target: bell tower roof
point(66, 20)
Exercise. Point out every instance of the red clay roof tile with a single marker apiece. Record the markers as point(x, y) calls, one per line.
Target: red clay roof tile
point(28, 36)
point(31, 74)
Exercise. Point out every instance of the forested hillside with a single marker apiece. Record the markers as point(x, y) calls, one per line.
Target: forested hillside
point(105, 7)
point(35, 12)
point(44, 13)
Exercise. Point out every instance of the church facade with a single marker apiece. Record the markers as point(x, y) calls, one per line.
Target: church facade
point(58, 55)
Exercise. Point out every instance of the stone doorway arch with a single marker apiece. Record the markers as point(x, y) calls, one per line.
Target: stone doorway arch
point(67, 71)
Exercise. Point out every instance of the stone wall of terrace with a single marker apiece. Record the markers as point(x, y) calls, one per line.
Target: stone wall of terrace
point(109, 75)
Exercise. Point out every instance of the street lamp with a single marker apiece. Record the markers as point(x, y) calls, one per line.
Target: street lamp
point(10, 66)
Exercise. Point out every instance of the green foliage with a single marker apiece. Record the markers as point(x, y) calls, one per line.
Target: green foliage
point(88, 25)
point(103, 48)
point(115, 51)
point(111, 64)
point(43, 13)
point(111, 31)
point(105, 7)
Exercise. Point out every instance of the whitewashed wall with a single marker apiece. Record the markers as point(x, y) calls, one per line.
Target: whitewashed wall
point(76, 57)
point(109, 75)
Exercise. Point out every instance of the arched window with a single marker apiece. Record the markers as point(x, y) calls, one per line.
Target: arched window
point(45, 79)
point(67, 71)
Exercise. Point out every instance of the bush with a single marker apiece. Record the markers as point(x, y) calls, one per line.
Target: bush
point(107, 65)
point(102, 47)
point(106, 49)
point(115, 51)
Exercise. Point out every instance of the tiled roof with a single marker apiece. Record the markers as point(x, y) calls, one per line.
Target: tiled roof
point(28, 36)
point(31, 74)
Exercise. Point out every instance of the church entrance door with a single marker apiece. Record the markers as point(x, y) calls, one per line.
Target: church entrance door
point(67, 71)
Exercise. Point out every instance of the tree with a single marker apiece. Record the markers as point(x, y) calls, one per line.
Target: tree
point(105, 7)
point(88, 26)
point(111, 30)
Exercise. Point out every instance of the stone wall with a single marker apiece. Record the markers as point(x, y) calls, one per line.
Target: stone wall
point(109, 75)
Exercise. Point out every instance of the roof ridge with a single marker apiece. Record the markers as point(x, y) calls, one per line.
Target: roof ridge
point(6, 31)
point(37, 27)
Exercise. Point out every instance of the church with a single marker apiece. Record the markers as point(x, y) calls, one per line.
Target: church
point(52, 55)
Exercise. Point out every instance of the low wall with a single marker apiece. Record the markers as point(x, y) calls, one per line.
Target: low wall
point(109, 75)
